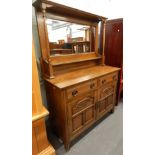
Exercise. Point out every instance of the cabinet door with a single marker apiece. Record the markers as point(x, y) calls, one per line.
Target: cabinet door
point(81, 113)
point(106, 96)
point(114, 45)
point(114, 42)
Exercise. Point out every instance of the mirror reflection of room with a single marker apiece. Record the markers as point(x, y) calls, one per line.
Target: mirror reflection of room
point(69, 38)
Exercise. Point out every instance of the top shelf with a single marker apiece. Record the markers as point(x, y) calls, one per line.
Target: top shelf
point(60, 9)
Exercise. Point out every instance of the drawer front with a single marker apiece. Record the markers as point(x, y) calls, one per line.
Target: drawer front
point(75, 91)
point(108, 78)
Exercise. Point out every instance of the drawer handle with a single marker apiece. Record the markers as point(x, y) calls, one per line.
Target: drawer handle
point(103, 81)
point(114, 77)
point(92, 85)
point(74, 92)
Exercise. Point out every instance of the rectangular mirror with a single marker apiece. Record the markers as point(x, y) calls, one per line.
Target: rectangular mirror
point(69, 38)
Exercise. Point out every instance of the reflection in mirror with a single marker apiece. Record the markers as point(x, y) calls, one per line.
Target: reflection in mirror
point(69, 38)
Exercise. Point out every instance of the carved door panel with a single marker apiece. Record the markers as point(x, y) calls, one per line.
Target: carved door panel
point(105, 99)
point(101, 108)
point(109, 102)
point(81, 113)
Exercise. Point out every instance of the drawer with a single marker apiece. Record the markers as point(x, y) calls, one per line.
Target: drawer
point(108, 78)
point(77, 90)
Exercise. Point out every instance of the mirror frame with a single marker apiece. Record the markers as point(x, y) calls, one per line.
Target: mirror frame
point(75, 21)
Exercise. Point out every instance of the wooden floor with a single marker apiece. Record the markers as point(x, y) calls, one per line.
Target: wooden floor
point(104, 138)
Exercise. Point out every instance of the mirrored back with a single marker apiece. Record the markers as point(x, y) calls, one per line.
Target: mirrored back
point(69, 38)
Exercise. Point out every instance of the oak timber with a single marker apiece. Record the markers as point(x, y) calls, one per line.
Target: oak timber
point(80, 88)
point(72, 78)
point(40, 145)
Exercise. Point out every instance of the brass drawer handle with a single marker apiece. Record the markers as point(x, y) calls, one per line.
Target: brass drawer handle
point(103, 81)
point(74, 92)
point(114, 77)
point(92, 85)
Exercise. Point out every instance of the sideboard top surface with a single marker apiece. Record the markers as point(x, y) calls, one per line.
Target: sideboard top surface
point(76, 77)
